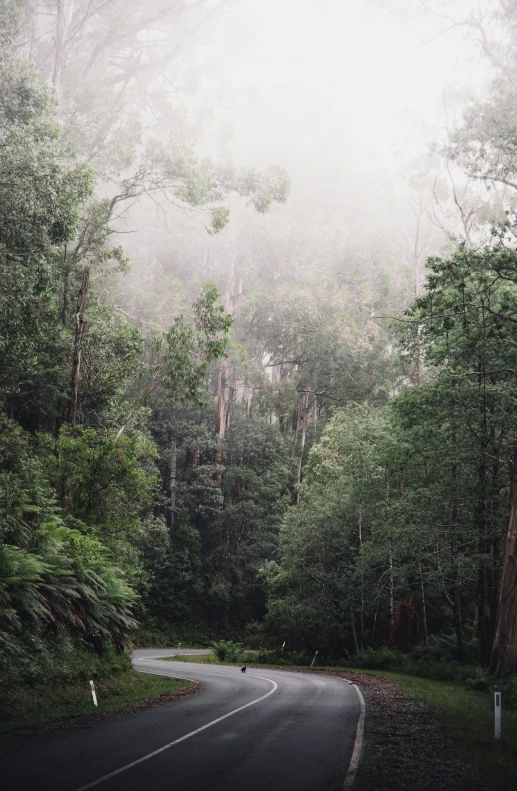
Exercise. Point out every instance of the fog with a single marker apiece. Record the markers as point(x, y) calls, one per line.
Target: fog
point(306, 80)
point(348, 97)
point(354, 102)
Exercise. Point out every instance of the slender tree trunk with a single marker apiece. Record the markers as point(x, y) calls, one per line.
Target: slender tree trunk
point(64, 12)
point(360, 537)
point(391, 611)
point(504, 649)
point(493, 538)
point(454, 600)
point(78, 348)
point(417, 254)
point(171, 484)
point(302, 444)
point(66, 286)
point(416, 367)
point(424, 609)
point(354, 633)
point(220, 422)
point(375, 619)
point(298, 417)
point(485, 628)
point(458, 622)
point(232, 295)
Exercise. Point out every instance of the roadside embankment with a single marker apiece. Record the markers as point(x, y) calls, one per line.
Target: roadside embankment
point(427, 735)
point(25, 711)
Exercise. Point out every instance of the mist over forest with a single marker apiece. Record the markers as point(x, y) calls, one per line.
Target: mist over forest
point(258, 310)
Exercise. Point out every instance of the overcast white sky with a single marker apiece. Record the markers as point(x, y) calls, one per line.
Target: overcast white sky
point(313, 77)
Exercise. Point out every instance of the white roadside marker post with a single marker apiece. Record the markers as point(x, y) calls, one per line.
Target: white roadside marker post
point(497, 715)
point(94, 695)
point(179, 649)
point(283, 646)
point(314, 658)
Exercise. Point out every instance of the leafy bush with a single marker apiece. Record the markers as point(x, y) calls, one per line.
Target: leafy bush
point(436, 670)
point(157, 633)
point(227, 650)
point(479, 678)
point(36, 660)
point(510, 693)
point(444, 648)
point(379, 659)
point(58, 584)
point(275, 657)
point(433, 664)
point(254, 635)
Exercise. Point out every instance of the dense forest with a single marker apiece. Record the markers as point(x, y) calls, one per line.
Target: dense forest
point(236, 400)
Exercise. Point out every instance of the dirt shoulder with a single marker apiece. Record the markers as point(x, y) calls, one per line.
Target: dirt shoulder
point(406, 747)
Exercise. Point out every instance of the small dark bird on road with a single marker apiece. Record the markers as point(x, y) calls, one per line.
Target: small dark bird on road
point(243, 669)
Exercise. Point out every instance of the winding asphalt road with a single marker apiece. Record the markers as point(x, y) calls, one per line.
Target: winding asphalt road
point(266, 730)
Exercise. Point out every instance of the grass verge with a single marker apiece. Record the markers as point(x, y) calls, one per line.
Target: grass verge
point(468, 719)
point(28, 710)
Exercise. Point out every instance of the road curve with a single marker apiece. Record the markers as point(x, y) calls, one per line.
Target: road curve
point(266, 730)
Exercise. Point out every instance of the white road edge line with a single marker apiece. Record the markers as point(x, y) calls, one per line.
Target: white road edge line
point(359, 736)
point(181, 739)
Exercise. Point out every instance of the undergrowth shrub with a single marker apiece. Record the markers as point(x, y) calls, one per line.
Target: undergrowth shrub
point(227, 650)
point(155, 633)
point(275, 656)
point(379, 659)
point(436, 670)
point(510, 693)
point(436, 665)
point(58, 661)
point(479, 678)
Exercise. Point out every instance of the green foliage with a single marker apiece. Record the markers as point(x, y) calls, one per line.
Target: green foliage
point(173, 575)
point(259, 471)
point(220, 534)
point(276, 657)
point(175, 170)
point(313, 583)
point(380, 659)
point(474, 677)
point(185, 346)
point(156, 633)
point(227, 650)
point(61, 660)
point(105, 481)
point(76, 501)
point(54, 578)
point(479, 679)
point(9, 21)
point(510, 692)
point(410, 502)
point(41, 190)
point(220, 218)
